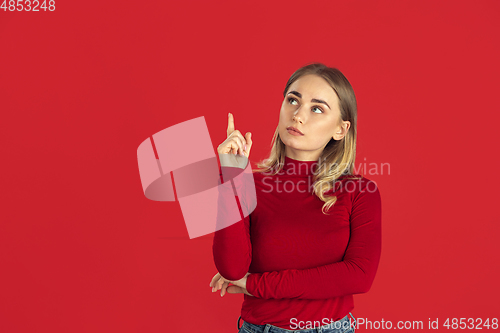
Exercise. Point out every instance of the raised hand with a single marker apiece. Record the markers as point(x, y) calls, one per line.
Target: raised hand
point(235, 142)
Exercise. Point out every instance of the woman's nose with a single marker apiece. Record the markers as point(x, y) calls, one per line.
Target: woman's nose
point(299, 115)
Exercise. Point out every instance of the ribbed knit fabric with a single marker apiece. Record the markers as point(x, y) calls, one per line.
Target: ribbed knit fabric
point(305, 265)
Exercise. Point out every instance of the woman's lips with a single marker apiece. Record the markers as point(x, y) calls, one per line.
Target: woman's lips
point(292, 132)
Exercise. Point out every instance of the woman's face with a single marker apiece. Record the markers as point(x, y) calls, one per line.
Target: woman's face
point(314, 104)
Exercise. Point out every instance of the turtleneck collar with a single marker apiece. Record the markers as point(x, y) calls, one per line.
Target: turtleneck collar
point(294, 167)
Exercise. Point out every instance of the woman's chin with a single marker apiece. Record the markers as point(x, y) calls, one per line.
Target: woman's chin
point(291, 145)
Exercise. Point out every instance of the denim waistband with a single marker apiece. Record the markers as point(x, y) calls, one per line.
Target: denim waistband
point(338, 326)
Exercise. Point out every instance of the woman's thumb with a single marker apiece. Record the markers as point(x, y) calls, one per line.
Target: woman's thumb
point(248, 139)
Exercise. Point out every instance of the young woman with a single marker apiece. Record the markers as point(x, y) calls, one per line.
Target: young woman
point(314, 238)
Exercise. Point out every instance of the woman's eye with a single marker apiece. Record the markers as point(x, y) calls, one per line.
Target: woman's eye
point(293, 101)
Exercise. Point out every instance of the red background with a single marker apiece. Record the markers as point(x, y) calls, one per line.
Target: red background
point(83, 250)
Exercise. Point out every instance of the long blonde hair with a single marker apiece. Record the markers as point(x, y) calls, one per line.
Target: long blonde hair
point(337, 158)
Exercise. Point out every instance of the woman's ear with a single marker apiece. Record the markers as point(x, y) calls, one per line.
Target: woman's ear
point(342, 130)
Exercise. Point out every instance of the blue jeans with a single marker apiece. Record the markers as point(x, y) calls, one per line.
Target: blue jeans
point(343, 325)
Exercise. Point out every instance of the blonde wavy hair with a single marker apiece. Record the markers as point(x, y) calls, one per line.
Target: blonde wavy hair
point(337, 158)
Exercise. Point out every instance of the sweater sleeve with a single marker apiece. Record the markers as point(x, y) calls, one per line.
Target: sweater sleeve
point(353, 275)
point(232, 247)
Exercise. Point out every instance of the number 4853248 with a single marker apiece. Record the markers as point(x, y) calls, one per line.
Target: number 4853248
point(28, 5)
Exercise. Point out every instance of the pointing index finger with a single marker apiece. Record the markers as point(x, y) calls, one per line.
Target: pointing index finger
point(230, 124)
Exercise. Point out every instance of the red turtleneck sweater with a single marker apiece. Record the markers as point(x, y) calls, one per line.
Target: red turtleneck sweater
point(304, 265)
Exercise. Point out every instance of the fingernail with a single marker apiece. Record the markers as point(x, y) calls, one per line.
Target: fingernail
point(229, 114)
point(245, 147)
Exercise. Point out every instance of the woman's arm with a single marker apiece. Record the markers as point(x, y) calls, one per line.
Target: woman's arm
point(232, 247)
point(353, 275)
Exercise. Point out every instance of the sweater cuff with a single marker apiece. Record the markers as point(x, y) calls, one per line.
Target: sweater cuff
point(252, 280)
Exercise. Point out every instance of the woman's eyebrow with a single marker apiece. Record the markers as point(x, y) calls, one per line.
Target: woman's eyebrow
point(314, 100)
